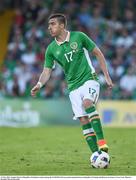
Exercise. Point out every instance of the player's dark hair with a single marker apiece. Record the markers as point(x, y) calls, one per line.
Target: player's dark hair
point(60, 17)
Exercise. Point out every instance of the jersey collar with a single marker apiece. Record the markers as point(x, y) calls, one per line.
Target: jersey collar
point(66, 40)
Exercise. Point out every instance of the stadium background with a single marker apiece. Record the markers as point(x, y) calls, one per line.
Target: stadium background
point(24, 38)
point(23, 41)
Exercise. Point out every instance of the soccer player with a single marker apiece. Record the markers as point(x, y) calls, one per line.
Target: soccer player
point(71, 51)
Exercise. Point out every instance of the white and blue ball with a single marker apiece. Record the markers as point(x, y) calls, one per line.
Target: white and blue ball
point(100, 159)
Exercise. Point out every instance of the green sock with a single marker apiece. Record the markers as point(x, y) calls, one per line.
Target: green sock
point(95, 122)
point(90, 137)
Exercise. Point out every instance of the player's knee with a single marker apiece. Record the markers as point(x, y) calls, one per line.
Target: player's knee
point(83, 120)
point(87, 103)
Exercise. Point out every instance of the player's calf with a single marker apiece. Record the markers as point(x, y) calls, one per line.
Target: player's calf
point(95, 122)
point(89, 134)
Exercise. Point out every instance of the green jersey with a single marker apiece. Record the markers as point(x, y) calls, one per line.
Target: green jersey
point(73, 56)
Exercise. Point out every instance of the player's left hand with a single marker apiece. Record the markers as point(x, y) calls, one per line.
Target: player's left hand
point(109, 82)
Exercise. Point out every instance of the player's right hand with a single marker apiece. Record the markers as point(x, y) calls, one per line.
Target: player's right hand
point(34, 90)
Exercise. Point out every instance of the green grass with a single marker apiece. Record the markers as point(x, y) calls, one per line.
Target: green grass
point(62, 151)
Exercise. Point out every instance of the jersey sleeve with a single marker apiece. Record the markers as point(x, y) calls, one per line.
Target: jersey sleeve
point(87, 42)
point(49, 60)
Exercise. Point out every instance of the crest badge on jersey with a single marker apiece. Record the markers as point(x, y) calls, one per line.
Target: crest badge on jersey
point(73, 45)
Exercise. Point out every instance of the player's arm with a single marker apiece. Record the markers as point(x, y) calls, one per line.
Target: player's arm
point(99, 55)
point(44, 77)
point(91, 46)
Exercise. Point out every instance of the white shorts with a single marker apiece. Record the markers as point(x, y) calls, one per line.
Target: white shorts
point(89, 90)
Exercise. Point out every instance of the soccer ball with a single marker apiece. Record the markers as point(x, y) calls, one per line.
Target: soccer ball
point(100, 159)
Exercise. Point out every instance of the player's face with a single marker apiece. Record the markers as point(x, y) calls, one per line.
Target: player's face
point(54, 27)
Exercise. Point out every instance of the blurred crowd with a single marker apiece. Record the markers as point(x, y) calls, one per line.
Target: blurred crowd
point(111, 24)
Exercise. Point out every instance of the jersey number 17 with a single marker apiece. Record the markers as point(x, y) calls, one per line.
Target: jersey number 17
point(69, 56)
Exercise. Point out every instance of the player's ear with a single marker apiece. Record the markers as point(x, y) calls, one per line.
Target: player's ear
point(62, 26)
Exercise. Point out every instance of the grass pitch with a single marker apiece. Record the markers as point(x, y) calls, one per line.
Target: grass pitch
point(62, 150)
